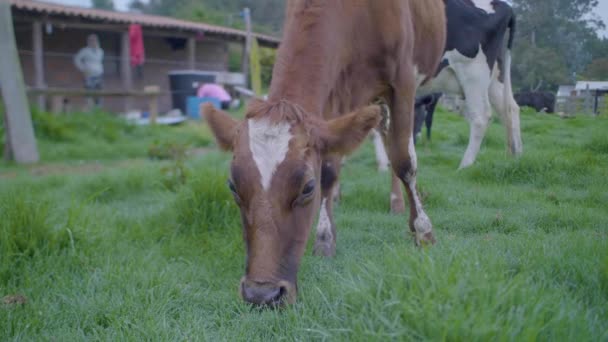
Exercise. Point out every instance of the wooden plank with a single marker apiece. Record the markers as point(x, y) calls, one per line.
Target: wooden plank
point(80, 92)
point(18, 119)
point(38, 50)
point(119, 28)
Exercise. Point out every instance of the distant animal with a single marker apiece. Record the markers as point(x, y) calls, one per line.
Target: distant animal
point(335, 58)
point(541, 101)
point(424, 110)
point(477, 66)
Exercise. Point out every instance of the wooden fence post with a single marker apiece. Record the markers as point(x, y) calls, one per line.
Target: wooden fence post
point(247, 46)
point(21, 140)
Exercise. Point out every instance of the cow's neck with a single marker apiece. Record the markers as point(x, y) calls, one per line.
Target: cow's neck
point(305, 69)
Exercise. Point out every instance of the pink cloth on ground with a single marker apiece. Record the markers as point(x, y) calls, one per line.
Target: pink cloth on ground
point(215, 91)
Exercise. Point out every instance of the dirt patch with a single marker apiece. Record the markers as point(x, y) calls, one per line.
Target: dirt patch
point(14, 300)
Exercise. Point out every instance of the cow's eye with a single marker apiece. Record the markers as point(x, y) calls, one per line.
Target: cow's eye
point(309, 188)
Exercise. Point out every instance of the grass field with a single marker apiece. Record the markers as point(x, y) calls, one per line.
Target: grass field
point(141, 249)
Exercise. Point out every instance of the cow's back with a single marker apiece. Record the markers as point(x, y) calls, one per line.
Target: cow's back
point(338, 55)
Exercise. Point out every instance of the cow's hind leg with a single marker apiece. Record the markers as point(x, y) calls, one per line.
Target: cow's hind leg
point(402, 154)
point(475, 79)
point(325, 243)
point(508, 111)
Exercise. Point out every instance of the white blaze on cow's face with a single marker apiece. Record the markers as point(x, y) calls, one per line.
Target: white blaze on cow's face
point(269, 144)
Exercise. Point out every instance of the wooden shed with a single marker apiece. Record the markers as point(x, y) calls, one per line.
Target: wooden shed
point(49, 35)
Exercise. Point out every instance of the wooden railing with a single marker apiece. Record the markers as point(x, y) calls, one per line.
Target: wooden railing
point(585, 104)
point(57, 95)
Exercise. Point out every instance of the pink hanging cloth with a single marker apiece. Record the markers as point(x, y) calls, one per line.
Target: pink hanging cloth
point(136, 40)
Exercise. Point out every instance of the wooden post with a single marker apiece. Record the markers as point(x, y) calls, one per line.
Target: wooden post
point(125, 67)
point(247, 47)
point(38, 50)
point(152, 96)
point(191, 53)
point(21, 141)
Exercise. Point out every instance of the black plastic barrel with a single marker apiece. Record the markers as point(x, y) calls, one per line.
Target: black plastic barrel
point(185, 83)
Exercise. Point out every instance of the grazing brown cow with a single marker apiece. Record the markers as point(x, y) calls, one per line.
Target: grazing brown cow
point(336, 57)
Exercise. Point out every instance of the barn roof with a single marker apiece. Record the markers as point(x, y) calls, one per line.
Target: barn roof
point(144, 20)
point(591, 85)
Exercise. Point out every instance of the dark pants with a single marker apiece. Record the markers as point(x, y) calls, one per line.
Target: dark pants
point(225, 105)
point(94, 83)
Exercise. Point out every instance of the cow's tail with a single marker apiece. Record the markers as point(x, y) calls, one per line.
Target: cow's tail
point(511, 110)
point(508, 88)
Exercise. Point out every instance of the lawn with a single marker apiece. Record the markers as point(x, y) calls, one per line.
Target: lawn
point(148, 245)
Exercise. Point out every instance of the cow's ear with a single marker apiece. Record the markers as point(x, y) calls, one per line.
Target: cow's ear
point(344, 134)
point(222, 125)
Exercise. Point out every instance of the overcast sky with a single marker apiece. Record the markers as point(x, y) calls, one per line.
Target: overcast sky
point(602, 9)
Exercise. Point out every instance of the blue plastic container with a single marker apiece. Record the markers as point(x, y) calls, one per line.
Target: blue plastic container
point(194, 104)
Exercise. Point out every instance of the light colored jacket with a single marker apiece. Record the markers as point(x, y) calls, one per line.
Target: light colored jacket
point(90, 61)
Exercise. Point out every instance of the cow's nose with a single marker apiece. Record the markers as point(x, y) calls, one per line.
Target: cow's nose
point(262, 294)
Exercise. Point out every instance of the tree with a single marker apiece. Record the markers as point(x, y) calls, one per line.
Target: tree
point(597, 70)
point(551, 34)
point(539, 68)
point(267, 15)
point(103, 4)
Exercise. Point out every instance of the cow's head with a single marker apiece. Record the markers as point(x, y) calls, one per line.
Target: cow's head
point(275, 179)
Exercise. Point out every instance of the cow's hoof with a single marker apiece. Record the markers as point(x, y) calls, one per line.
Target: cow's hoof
point(426, 239)
point(324, 249)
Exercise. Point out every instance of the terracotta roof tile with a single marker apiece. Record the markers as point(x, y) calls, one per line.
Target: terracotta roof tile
point(134, 18)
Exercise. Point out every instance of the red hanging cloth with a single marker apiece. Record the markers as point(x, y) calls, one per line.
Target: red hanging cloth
point(136, 40)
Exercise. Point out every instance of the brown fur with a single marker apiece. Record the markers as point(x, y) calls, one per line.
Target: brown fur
point(336, 57)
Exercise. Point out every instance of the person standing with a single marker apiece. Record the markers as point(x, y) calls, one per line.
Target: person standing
point(89, 60)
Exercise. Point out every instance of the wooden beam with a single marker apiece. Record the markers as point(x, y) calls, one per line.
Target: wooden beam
point(80, 92)
point(38, 51)
point(18, 120)
point(125, 67)
point(191, 53)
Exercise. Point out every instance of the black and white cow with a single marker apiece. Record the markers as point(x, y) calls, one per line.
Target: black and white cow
point(477, 66)
point(541, 101)
point(424, 111)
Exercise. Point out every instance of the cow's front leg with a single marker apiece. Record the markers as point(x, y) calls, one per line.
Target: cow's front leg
point(325, 243)
point(402, 153)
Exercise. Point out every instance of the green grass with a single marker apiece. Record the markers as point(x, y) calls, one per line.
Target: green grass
point(132, 253)
point(99, 136)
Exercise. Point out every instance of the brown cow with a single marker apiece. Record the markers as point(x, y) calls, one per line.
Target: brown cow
point(336, 57)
